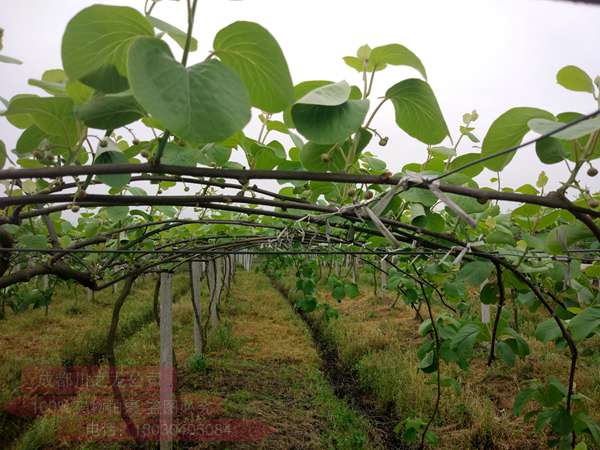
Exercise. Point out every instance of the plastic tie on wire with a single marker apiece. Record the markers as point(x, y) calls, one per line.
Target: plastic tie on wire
point(434, 187)
point(381, 227)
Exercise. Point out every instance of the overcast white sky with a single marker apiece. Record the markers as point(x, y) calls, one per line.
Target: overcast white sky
point(485, 54)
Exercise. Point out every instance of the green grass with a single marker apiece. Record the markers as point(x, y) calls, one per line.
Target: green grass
point(379, 345)
point(260, 361)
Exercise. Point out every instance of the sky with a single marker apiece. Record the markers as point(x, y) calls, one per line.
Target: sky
point(488, 55)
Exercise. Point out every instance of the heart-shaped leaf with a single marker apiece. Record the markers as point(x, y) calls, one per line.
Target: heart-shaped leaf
point(326, 115)
point(111, 154)
point(52, 115)
point(417, 111)
point(396, 55)
point(96, 42)
point(107, 112)
point(507, 131)
point(203, 103)
point(254, 54)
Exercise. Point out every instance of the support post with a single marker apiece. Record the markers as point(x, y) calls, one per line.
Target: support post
point(196, 275)
point(167, 374)
point(384, 269)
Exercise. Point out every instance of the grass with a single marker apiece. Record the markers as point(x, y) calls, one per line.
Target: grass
point(73, 333)
point(379, 345)
point(260, 364)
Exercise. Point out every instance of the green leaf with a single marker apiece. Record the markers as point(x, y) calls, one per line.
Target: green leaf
point(108, 112)
point(10, 60)
point(585, 323)
point(300, 90)
point(522, 398)
point(467, 158)
point(351, 290)
point(204, 103)
point(175, 155)
point(322, 158)
point(547, 331)
point(489, 294)
point(214, 155)
point(2, 154)
point(465, 338)
point(96, 42)
point(506, 353)
point(252, 52)
point(53, 115)
point(112, 155)
point(33, 241)
point(508, 131)
point(417, 111)
point(326, 115)
point(543, 126)
point(591, 425)
point(561, 422)
point(575, 79)
point(475, 272)
point(174, 33)
point(117, 213)
point(338, 292)
point(561, 238)
point(550, 150)
point(396, 55)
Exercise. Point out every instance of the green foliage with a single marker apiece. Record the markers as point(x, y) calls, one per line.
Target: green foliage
point(417, 111)
point(327, 115)
point(204, 103)
point(508, 131)
point(96, 43)
point(254, 54)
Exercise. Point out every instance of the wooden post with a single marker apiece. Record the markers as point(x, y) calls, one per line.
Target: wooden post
point(166, 375)
point(354, 269)
point(384, 268)
point(485, 313)
point(196, 277)
point(213, 288)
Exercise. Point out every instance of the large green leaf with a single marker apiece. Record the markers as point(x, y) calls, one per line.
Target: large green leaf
point(396, 55)
point(585, 323)
point(175, 155)
point(575, 79)
point(550, 150)
point(96, 42)
point(547, 331)
point(300, 90)
point(507, 131)
point(465, 339)
point(326, 115)
point(52, 115)
point(322, 158)
point(417, 111)
point(107, 112)
point(111, 154)
point(583, 128)
point(214, 155)
point(561, 238)
point(468, 158)
point(475, 273)
point(203, 103)
point(252, 52)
